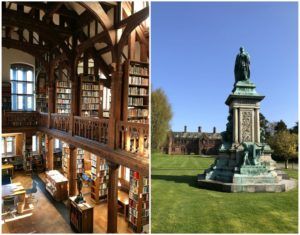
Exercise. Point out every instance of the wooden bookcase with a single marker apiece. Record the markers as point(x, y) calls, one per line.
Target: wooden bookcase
point(138, 202)
point(136, 91)
point(63, 97)
point(42, 102)
point(81, 216)
point(80, 160)
point(6, 96)
point(57, 185)
point(99, 174)
point(65, 160)
point(57, 160)
point(89, 96)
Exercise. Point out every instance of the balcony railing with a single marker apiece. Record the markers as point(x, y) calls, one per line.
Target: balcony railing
point(91, 128)
point(131, 137)
point(134, 137)
point(20, 119)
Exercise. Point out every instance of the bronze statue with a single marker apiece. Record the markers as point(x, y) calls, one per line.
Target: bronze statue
point(79, 198)
point(242, 66)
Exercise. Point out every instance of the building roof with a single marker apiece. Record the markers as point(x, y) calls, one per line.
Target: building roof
point(195, 135)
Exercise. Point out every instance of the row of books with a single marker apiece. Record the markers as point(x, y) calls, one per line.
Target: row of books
point(138, 113)
point(88, 86)
point(89, 100)
point(63, 109)
point(90, 106)
point(63, 96)
point(90, 93)
point(137, 91)
point(63, 90)
point(63, 101)
point(134, 80)
point(63, 84)
point(139, 70)
point(133, 101)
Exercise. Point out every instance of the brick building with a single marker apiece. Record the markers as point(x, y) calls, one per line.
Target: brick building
point(193, 142)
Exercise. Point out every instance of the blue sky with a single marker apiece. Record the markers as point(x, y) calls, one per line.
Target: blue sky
point(193, 51)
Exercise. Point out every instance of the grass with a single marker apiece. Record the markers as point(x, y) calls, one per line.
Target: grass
point(180, 206)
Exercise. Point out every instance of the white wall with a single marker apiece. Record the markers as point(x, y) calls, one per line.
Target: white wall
point(11, 56)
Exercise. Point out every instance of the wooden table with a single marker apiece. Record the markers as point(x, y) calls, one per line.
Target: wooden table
point(123, 199)
point(9, 168)
point(15, 189)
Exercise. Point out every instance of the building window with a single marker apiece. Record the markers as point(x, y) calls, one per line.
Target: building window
point(22, 87)
point(8, 145)
point(34, 143)
point(57, 144)
point(127, 174)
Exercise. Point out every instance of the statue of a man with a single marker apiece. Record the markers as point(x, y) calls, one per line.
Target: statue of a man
point(242, 66)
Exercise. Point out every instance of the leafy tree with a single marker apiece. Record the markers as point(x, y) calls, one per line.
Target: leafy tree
point(280, 126)
point(160, 118)
point(294, 129)
point(285, 145)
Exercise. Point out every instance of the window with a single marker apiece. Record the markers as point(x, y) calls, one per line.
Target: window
point(56, 144)
point(34, 143)
point(22, 87)
point(8, 145)
point(127, 174)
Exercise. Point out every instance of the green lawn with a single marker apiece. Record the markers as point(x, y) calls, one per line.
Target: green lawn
point(179, 206)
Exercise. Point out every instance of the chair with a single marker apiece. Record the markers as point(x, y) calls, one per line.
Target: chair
point(9, 205)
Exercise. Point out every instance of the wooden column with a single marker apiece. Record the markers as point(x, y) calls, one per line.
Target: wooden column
point(112, 202)
point(116, 104)
point(50, 149)
point(39, 140)
point(72, 171)
point(51, 94)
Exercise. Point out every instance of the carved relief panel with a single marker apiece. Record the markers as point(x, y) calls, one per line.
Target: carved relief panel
point(246, 126)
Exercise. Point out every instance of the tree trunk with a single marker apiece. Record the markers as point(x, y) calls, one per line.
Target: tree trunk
point(286, 163)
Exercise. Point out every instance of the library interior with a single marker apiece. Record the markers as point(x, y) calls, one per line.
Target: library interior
point(75, 117)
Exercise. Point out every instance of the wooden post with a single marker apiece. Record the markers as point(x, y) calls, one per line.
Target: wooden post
point(50, 148)
point(72, 171)
point(115, 110)
point(112, 210)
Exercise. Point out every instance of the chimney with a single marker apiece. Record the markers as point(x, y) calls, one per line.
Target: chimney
point(215, 130)
point(185, 128)
point(199, 129)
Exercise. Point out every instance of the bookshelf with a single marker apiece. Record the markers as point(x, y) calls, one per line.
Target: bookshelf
point(6, 96)
point(81, 216)
point(136, 91)
point(80, 161)
point(138, 202)
point(89, 96)
point(99, 174)
point(57, 159)
point(65, 160)
point(63, 97)
point(42, 102)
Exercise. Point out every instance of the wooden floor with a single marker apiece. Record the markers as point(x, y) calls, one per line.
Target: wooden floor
point(51, 217)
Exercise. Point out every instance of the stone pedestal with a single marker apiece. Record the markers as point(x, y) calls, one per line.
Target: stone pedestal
point(244, 163)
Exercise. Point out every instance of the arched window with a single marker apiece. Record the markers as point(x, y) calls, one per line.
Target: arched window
point(22, 87)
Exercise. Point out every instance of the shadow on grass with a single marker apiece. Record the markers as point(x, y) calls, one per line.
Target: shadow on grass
point(187, 179)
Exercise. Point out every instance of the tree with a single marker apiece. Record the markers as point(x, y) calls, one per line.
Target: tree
point(160, 118)
point(280, 126)
point(285, 145)
point(294, 129)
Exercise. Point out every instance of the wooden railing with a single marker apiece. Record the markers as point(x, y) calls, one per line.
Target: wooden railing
point(134, 137)
point(60, 122)
point(20, 119)
point(91, 128)
point(43, 120)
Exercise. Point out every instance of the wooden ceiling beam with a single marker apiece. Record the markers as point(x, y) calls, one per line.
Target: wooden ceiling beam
point(32, 49)
point(52, 8)
point(36, 5)
point(90, 42)
point(52, 33)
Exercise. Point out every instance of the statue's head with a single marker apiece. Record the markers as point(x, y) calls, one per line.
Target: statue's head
point(242, 49)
